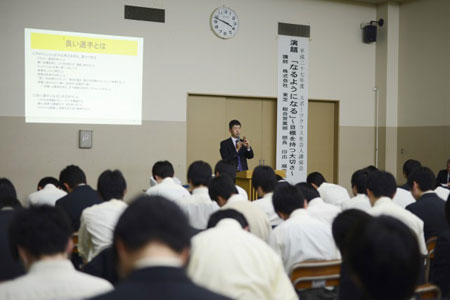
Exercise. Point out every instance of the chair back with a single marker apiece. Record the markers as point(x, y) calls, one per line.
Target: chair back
point(428, 291)
point(431, 243)
point(315, 274)
point(75, 242)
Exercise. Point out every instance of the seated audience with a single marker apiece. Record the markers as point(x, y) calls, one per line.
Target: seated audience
point(223, 191)
point(343, 224)
point(42, 238)
point(300, 237)
point(428, 207)
point(229, 260)
point(317, 208)
point(442, 192)
point(80, 195)
point(443, 177)
point(227, 168)
point(48, 192)
point(264, 181)
point(408, 167)
point(381, 187)
point(163, 173)
point(103, 265)
point(99, 220)
point(329, 192)
point(384, 259)
point(359, 189)
point(152, 249)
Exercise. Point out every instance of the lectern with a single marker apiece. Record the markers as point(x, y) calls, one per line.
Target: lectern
point(244, 180)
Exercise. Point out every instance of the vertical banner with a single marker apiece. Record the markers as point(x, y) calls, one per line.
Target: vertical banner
point(292, 113)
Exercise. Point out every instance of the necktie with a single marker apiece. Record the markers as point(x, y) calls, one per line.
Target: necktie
point(239, 166)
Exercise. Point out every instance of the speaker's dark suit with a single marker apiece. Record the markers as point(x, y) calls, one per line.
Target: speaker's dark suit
point(159, 283)
point(74, 202)
point(431, 210)
point(228, 153)
point(442, 177)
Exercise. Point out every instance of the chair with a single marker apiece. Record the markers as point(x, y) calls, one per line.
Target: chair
point(431, 243)
point(315, 274)
point(427, 291)
point(75, 242)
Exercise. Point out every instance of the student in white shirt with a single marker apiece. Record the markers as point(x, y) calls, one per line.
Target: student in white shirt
point(223, 167)
point(359, 190)
point(230, 261)
point(41, 237)
point(300, 237)
point(163, 173)
point(381, 188)
point(264, 181)
point(330, 193)
point(48, 192)
point(98, 221)
point(317, 208)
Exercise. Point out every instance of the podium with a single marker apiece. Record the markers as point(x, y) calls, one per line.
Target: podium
point(244, 180)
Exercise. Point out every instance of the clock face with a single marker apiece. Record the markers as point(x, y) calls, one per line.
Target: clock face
point(224, 22)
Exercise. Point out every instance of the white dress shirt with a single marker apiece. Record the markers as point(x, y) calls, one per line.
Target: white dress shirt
point(169, 189)
point(257, 220)
point(228, 260)
point(442, 192)
point(385, 206)
point(360, 201)
point(199, 195)
point(302, 237)
point(198, 213)
point(267, 205)
point(53, 280)
point(97, 225)
point(403, 198)
point(322, 211)
point(333, 193)
point(47, 196)
point(242, 192)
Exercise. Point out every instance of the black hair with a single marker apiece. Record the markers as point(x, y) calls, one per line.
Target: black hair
point(111, 185)
point(384, 255)
point(221, 186)
point(48, 180)
point(199, 173)
point(227, 214)
point(72, 175)
point(308, 191)
point(359, 180)
point(409, 166)
point(264, 177)
point(287, 198)
point(370, 169)
point(7, 189)
point(233, 123)
point(316, 178)
point(344, 223)
point(382, 183)
point(41, 230)
point(153, 219)
point(225, 168)
point(424, 177)
point(163, 169)
point(9, 202)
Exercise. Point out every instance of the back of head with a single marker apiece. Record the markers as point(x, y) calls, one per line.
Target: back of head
point(221, 186)
point(111, 185)
point(384, 256)
point(227, 214)
point(308, 191)
point(72, 176)
point(359, 180)
point(163, 169)
point(382, 184)
point(48, 180)
point(370, 169)
point(225, 168)
point(41, 230)
point(233, 123)
point(344, 223)
point(7, 189)
point(287, 198)
point(199, 173)
point(264, 177)
point(424, 177)
point(409, 166)
point(315, 178)
point(153, 219)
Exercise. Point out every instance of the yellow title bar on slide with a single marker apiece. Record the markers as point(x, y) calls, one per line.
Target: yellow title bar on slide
point(45, 41)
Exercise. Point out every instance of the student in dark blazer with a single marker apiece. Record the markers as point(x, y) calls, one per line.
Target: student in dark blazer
point(152, 250)
point(235, 149)
point(444, 175)
point(80, 195)
point(429, 207)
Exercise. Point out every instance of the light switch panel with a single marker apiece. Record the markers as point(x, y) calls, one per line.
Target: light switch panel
point(85, 139)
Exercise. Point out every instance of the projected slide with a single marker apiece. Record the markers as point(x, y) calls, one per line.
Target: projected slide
point(82, 78)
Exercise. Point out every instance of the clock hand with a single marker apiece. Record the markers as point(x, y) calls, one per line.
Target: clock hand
point(223, 21)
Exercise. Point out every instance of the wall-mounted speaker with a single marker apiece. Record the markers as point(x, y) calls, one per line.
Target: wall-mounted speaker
point(369, 34)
